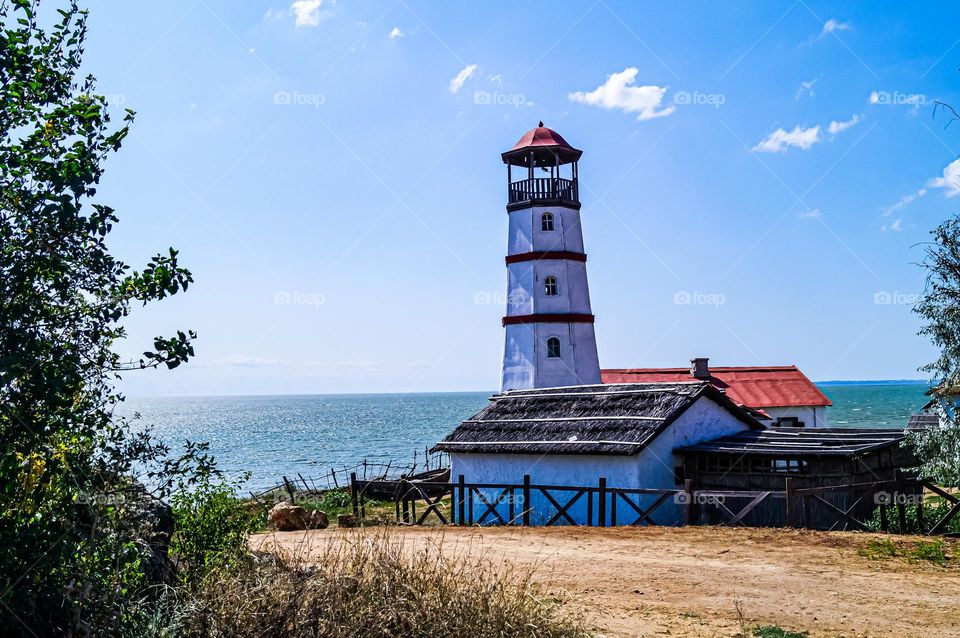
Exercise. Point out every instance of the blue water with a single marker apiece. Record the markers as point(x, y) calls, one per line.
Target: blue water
point(275, 436)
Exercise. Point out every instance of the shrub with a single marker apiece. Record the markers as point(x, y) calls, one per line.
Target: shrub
point(212, 527)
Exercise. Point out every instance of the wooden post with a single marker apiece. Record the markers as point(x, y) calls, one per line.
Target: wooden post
point(788, 487)
point(688, 507)
point(526, 500)
point(602, 503)
point(807, 521)
point(354, 497)
point(921, 524)
point(461, 519)
point(333, 473)
point(884, 523)
point(289, 487)
point(898, 496)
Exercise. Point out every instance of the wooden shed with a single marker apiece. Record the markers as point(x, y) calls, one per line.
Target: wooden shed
point(849, 459)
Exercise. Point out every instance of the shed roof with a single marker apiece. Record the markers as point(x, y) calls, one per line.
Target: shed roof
point(589, 419)
point(754, 386)
point(801, 442)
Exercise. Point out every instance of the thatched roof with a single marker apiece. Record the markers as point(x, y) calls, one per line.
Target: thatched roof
point(591, 419)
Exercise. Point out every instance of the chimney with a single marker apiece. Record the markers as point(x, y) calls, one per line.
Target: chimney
point(699, 368)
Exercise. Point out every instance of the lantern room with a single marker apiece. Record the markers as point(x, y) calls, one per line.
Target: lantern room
point(542, 170)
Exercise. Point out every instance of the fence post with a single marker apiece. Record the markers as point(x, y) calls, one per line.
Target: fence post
point(526, 500)
point(602, 503)
point(688, 507)
point(287, 485)
point(788, 488)
point(461, 519)
point(354, 497)
point(899, 499)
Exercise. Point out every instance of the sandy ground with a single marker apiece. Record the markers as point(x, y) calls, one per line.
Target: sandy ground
point(689, 581)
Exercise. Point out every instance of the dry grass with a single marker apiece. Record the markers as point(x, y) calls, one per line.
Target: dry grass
point(364, 584)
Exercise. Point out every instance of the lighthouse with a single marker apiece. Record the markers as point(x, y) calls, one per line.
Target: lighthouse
point(549, 339)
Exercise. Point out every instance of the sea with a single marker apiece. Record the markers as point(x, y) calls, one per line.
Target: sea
point(308, 435)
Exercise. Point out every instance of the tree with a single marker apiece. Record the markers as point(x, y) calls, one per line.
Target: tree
point(939, 447)
point(69, 555)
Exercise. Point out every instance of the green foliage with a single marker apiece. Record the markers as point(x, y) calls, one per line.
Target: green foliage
point(934, 509)
point(939, 447)
point(877, 549)
point(772, 631)
point(212, 528)
point(933, 551)
point(72, 549)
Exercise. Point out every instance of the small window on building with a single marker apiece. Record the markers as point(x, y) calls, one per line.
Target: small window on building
point(550, 286)
point(553, 348)
point(789, 422)
point(546, 222)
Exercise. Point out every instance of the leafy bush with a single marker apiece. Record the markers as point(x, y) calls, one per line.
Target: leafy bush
point(212, 527)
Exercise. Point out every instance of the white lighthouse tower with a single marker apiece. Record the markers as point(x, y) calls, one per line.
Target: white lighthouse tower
point(549, 339)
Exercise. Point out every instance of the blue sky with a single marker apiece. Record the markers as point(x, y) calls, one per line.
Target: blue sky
point(756, 180)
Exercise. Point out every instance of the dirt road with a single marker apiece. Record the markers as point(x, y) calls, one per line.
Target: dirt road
point(690, 581)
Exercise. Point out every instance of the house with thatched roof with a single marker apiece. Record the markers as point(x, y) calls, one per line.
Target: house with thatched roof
point(626, 434)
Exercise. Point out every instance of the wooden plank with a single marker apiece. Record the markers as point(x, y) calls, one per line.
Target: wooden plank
point(748, 508)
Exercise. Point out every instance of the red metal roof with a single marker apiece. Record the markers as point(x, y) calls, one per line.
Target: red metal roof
point(541, 136)
point(754, 387)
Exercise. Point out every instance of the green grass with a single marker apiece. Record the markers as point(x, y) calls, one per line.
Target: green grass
point(772, 631)
point(933, 551)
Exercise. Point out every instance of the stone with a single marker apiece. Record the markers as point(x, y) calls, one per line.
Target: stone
point(347, 520)
point(319, 520)
point(287, 517)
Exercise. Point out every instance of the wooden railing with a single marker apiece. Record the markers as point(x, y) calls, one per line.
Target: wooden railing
point(543, 188)
point(600, 505)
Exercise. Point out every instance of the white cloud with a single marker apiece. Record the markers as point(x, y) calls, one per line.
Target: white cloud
point(308, 12)
point(811, 214)
point(779, 140)
point(832, 25)
point(396, 32)
point(950, 181)
point(806, 89)
point(457, 82)
point(904, 201)
point(618, 92)
point(838, 127)
point(895, 226)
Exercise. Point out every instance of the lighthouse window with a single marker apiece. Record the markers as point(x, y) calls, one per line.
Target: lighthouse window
point(553, 348)
point(550, 286)
point(546, 222)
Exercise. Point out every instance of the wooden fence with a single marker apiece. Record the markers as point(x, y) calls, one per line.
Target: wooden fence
point(839, 507)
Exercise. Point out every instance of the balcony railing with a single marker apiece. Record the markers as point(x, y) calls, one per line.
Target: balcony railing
point(544, 188)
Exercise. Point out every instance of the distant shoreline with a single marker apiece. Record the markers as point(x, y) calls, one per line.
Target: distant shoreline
point(834, 383)
point(875, 382)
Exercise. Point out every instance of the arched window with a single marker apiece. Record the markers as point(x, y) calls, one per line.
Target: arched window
point(550, 286)
point(546, 222)
point(553, 348)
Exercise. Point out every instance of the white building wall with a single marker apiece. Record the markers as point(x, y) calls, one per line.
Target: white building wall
point(527, 236)
point(653, 468)
point(525, 362)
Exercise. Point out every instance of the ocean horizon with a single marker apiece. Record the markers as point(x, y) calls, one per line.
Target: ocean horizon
point(276, 435)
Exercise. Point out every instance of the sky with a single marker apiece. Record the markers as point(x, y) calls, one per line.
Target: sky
point(757, 181)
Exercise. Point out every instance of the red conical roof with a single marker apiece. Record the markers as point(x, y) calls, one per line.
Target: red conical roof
point(541, 136)
point(547, 145)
